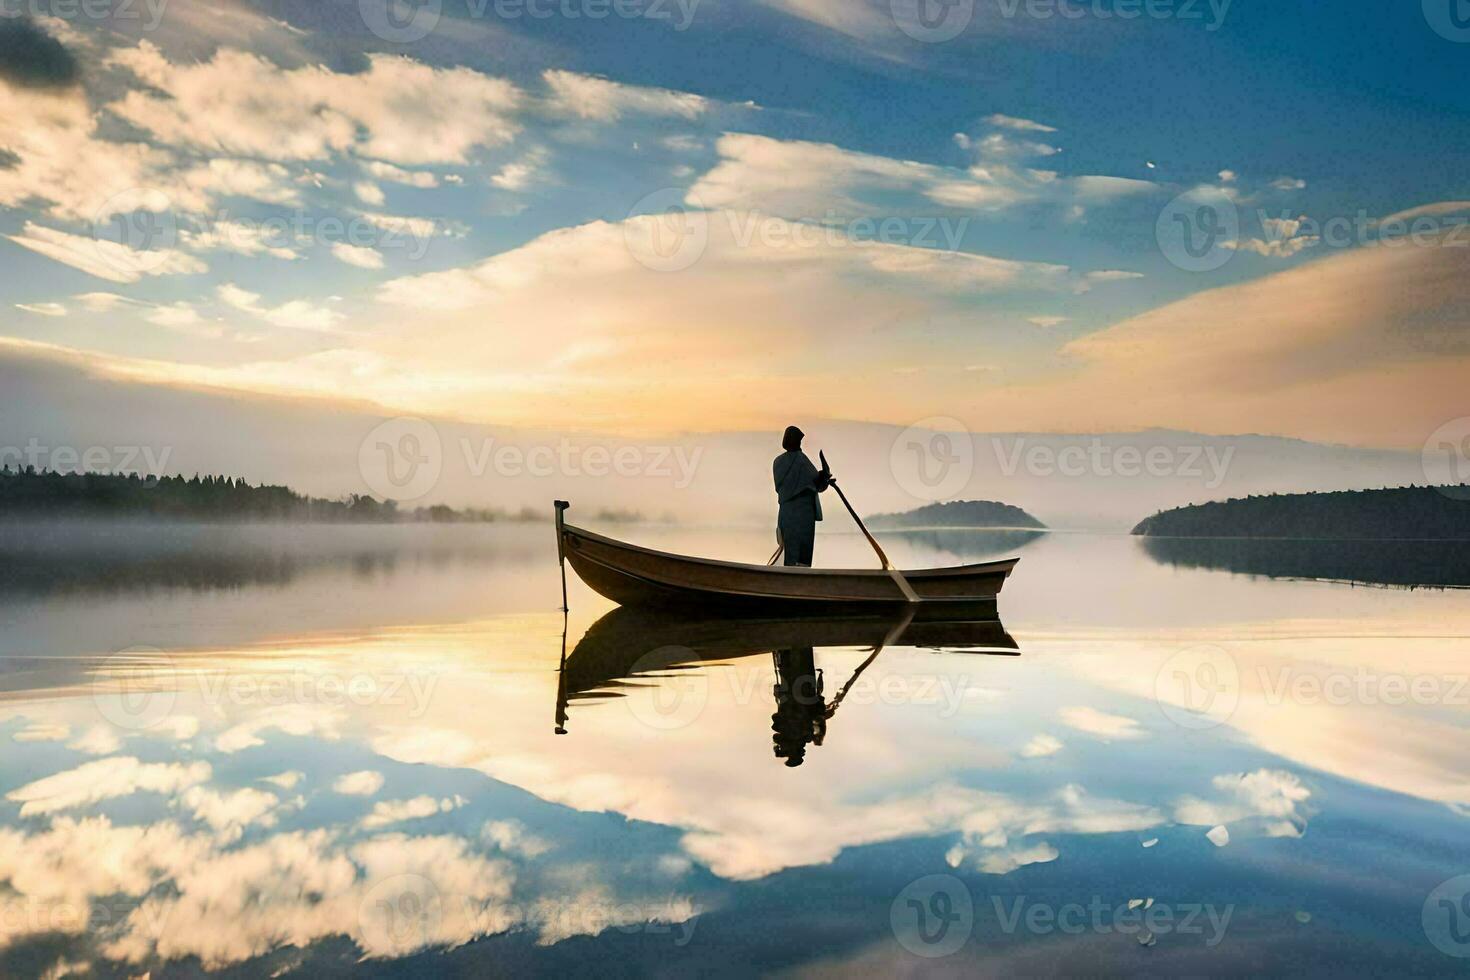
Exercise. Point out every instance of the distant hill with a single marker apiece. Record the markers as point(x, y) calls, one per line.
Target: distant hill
point(1429, 513)
point(957, 513)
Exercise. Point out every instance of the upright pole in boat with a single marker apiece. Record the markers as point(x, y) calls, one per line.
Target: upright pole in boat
point(903, 583)
point(561, 552)
point(566, 611)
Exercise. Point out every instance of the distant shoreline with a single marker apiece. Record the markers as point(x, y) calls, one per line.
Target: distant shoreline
point(1424, 514)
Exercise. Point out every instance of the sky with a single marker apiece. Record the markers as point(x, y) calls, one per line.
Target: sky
point(657, 216)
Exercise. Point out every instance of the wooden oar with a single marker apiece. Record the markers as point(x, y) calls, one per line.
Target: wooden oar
point(898, 578)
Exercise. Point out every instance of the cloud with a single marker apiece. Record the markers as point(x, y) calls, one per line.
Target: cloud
point(1265, 802)
point(49, 141)
point(297, 720)
point(1046, 322)
point(294, 315)
point(1337, 345)
point(1020, 125)
point(1437, 210)
point(103, 302)
point(242, 239)
point(32, 58)
point(397, 175)
point(1100, 724)
point(42, 309)
point(52, 875)
point(287, 780)
point(1041, 746)
point(1006, 860)
point(42, 733)
point(1112, 275)
point(399, 111)
point(228, 814)
point(854, 18)
point(97, 740)
point(512, 837)
point(369, 193)
point(106, 259)
point(1288, 184)
point(229, 906)
point(603, 100)
point(418, 228)
point(801, 179)
point(520, 174)
point(994, 835)
point(105, 779)
point(363, 258)
point(1282, 240)
point(388, 812)
point(364, 783)
point(175, 315)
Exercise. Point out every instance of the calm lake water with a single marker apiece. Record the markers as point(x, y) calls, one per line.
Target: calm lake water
point(336, 750)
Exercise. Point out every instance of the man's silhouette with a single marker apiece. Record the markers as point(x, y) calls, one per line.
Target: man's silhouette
point(797, 484)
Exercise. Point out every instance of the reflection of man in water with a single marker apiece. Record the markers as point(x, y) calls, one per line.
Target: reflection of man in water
point(797, 484)
point(801, 714)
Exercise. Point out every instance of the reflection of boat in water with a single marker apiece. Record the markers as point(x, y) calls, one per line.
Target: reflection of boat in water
point(630, 647)
point(635, 576)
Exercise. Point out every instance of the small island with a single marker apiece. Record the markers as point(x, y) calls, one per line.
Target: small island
point(958, 514)
point(1398, 514)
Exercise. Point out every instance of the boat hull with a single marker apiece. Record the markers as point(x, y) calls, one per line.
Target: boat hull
point(635, 576)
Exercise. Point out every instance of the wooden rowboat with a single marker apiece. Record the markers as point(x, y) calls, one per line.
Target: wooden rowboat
point(635, 576)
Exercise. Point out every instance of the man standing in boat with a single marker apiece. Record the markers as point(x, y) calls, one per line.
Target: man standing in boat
point(797, 484)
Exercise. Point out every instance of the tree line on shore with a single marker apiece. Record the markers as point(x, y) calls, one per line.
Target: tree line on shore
point(30, 492)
